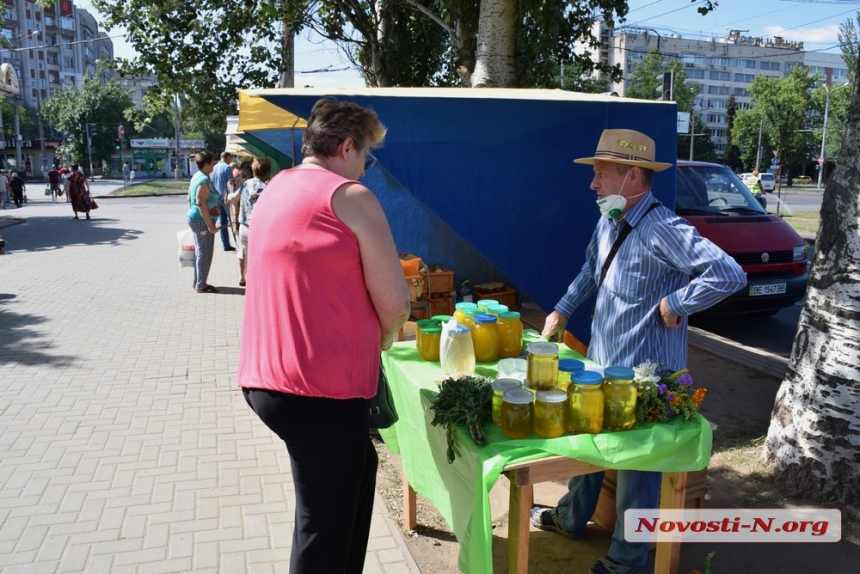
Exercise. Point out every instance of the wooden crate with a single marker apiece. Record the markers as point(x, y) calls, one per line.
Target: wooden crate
point(440, 306)
point(506, 296)
point(441, 282)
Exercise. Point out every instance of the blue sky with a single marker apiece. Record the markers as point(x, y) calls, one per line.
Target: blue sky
point(814, 22)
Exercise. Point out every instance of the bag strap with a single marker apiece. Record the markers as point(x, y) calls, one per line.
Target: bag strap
point(617, 245)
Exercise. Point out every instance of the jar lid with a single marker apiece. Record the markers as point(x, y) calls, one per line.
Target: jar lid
point(465, 305)
point(586, 378)
point(551, 396)
point(509, 315)
point(487, 302)
point(441, 318)
point(432, 329)
point(496, 309)
point(622, 373)
point(502, 385)
point(570, 365)
point(485, 318)
point(518, 397)
point(425, 323)
point(541, 348)
point(459, 329)
point(472, 311)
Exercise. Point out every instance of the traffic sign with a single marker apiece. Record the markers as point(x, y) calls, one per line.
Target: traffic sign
point(121, 131)
point(774, 161)
point(820, 160)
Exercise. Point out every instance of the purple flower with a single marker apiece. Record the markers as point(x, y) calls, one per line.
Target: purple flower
point(670, 397)
point(670, 412)
point(662, 388)
point(685, 380)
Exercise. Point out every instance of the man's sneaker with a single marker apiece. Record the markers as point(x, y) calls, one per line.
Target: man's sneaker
point(547, 519)
point(607, 565)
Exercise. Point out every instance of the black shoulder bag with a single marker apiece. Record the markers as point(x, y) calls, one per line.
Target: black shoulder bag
point(381, 407)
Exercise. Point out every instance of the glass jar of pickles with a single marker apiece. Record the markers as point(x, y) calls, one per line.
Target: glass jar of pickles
point(485, 337)
point(419, 330)
point(566, 368)
point(460, 310)
point(585, 402)
point(510, 334)
point(431, 338)
point(542, 373)
point(517, 413)
point(500, 387)
point(550, 413)
point(619, 411)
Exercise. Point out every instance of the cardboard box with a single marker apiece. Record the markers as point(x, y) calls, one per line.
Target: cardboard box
point(441, 281)
point(506, 296)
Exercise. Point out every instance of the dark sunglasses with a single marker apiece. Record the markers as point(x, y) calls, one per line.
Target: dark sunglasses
point(370, 161)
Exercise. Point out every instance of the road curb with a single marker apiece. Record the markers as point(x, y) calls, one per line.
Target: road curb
point(756, 359)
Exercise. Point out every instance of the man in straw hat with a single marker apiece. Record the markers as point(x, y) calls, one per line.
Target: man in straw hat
point(644, 295)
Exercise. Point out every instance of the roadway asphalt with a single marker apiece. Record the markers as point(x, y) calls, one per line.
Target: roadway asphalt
point(126, 446)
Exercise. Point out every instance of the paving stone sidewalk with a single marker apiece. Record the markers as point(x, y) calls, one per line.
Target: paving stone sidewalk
point(125, 446)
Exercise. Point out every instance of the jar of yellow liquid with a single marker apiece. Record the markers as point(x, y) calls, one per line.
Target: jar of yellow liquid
point(619, 410)
point(585, 402)
point(517, 413)
point(484, 304)
point(419, 330)
point(460, 308)
point(550, 413)
point(566, 368)
point(431, 338)
point(497, 309)
point(441, 318)
point(485, 337)
point(510, 334)
point(500, 387)
point(542, 374)
point(457, 354)
point(469, 317)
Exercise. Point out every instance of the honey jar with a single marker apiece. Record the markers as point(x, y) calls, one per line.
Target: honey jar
point(500, 386)
point(542, 373)
point(431, 338)
point(566, 368)
point(517, 413)
point(619, 411)
point(550, 413)
point(460, 308)
point(585, 402)
point(485, 338)
point(510, 334)
point(497, 309)
point(484, 304)
point(419, 329)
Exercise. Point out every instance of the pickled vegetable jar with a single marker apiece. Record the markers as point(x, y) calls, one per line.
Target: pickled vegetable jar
point(497, 309)
point(510, 334)
point(460, 308)
point(484, 304)
point(500, 386)
point(585, 402)
point(542, 374)
point(419, 329)
point(431, 338)
point(485, 337)
point(619, 411)
point(517, 413)
point(550, 413)
point(566, 368)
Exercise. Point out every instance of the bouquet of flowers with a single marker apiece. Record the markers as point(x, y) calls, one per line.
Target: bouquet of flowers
point(662, 395)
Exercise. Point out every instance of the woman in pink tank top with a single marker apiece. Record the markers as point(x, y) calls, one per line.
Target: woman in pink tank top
point(325, 293)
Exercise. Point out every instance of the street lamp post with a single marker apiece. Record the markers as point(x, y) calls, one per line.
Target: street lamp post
point(824, 131)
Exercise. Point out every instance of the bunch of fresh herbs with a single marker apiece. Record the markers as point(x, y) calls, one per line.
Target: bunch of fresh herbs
point(466, 400)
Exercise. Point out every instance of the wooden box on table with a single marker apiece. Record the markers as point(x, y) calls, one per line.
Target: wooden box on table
point(497, 291)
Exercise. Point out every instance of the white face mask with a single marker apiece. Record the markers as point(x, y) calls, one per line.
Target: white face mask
point(612, 206)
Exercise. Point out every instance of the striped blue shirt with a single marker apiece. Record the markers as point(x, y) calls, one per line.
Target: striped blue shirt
point(656, 260)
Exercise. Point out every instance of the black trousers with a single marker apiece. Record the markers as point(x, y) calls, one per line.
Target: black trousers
point(334, 464)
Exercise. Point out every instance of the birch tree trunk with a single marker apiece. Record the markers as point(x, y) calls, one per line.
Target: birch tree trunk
point(494, 57)
point(814, 435)
point(287, 78)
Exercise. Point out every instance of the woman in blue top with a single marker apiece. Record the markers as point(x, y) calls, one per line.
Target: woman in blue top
point(204, 206)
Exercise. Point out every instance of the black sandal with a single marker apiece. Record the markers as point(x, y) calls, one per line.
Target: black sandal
point(207, 289)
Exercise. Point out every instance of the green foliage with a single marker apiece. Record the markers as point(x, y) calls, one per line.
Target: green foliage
point(70, 109)
point(466, 400)
point(849, 41)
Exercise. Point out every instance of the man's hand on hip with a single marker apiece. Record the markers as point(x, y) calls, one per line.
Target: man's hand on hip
point(669, 319)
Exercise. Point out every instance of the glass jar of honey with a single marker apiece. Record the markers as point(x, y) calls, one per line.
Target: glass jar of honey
point(566, 368)
point(485, 337)
point(550, 413)
point(500, 387)
point(419, 330)
point(619, 411)
point(542, 373)
point(585, 402)
point(497, 309)
point(510, 334)
point(484, 304)
point(517, 413)
point(460, 310)
point(441, 318)
point(469, 317)
point(431, 338)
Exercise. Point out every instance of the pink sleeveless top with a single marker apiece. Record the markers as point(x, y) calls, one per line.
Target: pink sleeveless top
point(309, 326)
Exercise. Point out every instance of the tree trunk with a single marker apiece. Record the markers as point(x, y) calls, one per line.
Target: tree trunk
point(288, 59)
point(494, 57)
point(814, 435)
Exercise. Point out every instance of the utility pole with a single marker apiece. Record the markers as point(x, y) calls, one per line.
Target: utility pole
point(692, 132)
point(758, 151)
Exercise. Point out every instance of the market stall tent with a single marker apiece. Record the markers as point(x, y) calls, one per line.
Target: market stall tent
point(482, 180)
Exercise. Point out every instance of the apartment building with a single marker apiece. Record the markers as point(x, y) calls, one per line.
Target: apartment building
point(50, 48)
point(723, 66)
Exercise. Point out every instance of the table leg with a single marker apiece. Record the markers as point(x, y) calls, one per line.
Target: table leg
point(410, 518)
point(519, 507)
point(673, 494)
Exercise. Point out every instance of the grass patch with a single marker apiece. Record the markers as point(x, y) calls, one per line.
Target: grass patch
point(805, 221)
point(156, 187)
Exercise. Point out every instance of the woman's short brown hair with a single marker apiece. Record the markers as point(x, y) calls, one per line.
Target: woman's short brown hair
point(261, 167)
point(331, 122)
point(203, 158)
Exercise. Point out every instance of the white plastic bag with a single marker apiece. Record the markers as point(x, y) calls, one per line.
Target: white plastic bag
point(186, 247)
point(456, 352)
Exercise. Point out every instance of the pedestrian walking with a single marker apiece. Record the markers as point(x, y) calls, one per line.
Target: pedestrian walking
point(18, 188)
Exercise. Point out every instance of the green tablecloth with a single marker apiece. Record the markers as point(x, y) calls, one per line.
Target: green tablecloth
point(460, 490)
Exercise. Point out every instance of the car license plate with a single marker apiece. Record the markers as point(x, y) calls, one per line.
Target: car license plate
point(772, 289)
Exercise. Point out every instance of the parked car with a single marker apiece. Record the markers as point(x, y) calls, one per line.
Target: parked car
point(801, 180)
point(771, 253)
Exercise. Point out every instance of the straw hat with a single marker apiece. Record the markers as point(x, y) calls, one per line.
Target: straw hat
point(628, 147)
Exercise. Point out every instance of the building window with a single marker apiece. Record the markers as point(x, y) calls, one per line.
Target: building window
point(719, 133)
point(744, 78)
point(746, 63)
point(744, 93)
point(722, 76)
point(68, 62)
point(724, 62)
point(716, 119)
point(67, 23)
point(54, 77)
point(696, 74)
point(69, 80)
point(769, 65)
point(719, 90)
point(718, 104)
